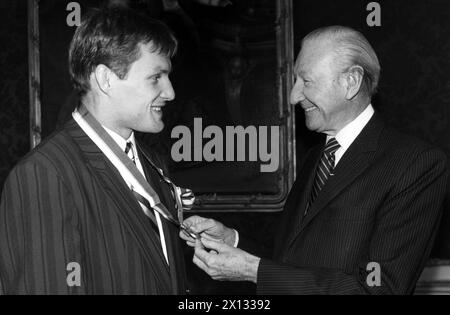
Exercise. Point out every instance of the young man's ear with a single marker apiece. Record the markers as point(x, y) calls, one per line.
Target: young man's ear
point(103, 76)
point(353, 79)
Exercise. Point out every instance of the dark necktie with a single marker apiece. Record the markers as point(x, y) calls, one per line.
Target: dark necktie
point(324, 169)
point(142, 200)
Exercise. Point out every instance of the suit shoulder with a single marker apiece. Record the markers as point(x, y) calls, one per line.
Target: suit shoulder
point(406, 154)
point(52, 153)
point(406, 145)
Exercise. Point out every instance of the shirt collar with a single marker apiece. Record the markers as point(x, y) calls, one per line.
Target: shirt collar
point(121, 142)
point(348, 134)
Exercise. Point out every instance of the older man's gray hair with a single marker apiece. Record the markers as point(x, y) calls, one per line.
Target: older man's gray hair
point(351, 48)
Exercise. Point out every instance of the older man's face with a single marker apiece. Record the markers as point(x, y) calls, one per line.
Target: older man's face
point(319, 88)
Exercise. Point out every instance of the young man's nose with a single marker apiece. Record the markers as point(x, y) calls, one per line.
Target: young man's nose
point(168, 92)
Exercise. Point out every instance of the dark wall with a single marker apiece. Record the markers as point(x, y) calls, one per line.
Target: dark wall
point(13, 84)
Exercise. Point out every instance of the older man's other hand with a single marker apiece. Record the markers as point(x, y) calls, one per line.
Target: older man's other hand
point(208, 229)
point(223, 262)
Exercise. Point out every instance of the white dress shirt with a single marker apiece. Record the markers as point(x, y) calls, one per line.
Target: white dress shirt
point(122, 144)
point(348, 134)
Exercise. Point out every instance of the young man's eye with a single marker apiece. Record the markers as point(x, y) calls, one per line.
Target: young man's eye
point(155, 78)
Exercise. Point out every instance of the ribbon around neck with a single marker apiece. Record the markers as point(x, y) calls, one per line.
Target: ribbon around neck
point(109, 147)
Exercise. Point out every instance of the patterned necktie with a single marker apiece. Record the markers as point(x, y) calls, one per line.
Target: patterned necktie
point(142, 200)
point(128, 151)
point(324, 170)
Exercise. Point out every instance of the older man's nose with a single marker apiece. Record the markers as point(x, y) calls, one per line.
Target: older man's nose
point(297, 93)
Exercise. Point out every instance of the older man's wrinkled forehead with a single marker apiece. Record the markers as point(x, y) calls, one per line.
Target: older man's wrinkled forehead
point(320, 50)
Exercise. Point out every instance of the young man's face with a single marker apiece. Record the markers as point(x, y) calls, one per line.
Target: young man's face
point(139, 98)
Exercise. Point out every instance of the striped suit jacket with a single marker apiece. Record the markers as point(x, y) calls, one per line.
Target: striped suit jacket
point(64, 203)
point(383, 205)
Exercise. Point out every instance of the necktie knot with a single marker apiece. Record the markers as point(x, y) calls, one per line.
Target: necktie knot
point(128, 147)
point(130, 152)
point(332, 146)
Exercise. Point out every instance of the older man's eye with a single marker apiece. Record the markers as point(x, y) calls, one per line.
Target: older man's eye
point(306, 82)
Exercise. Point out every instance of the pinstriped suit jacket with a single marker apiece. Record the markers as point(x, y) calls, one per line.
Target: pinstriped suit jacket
point(65, 202)
point(382, 205)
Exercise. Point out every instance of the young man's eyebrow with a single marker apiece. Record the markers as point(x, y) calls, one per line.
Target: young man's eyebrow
point(158, 71)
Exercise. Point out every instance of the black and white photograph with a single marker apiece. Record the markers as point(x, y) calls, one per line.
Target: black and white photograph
point(242, 149)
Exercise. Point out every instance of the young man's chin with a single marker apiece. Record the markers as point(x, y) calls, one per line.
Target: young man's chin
point(153, 129)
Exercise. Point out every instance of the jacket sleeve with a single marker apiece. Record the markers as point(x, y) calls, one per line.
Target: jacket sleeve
point(401, 240)
point(39, 237)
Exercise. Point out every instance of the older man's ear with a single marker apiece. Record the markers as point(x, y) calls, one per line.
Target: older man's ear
point(353, 81)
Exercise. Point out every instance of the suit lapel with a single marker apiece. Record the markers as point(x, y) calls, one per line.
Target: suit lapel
point(127, 207)
point(301, 191)
point(170, 233)
point(354, 162)
point(345, 174)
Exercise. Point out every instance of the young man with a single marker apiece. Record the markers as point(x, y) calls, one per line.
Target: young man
point(77, 213)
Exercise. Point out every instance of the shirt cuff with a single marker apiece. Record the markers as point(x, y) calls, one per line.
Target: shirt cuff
point(236, 238)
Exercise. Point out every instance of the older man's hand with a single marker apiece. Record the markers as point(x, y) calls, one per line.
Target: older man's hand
point(224, 262)
point(208, 229)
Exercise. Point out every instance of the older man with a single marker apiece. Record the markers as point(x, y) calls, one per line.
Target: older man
point(363, 213)
point(85, 212)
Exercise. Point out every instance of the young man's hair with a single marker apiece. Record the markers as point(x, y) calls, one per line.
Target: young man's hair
point(113, 37)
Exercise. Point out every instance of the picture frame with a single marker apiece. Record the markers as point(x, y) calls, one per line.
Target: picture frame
point(233, 186)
